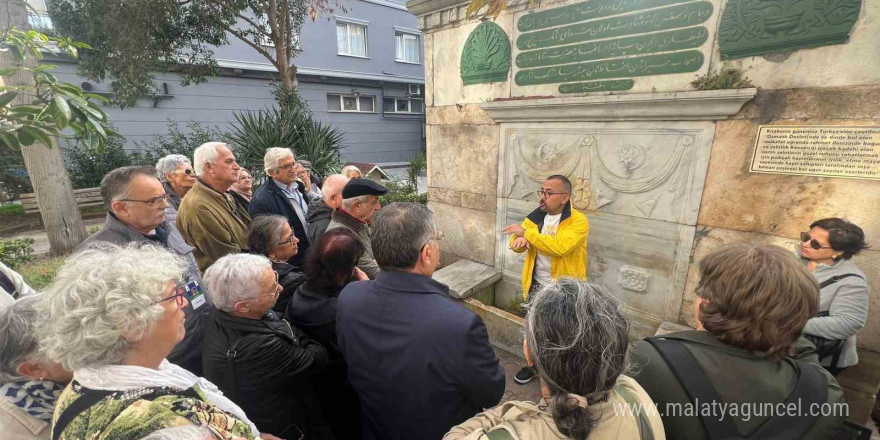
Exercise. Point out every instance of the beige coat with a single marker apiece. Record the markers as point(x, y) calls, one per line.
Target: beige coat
point(528, 421)
point(15, 424)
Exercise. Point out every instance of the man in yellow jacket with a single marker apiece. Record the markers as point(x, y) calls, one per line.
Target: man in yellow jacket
point(555, 237)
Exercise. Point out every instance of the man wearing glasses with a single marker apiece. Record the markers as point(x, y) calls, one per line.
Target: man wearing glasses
point(136, 202)
point(283, 194)
point(555, 237)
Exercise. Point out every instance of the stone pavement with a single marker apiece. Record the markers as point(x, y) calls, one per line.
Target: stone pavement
point(41, 241)
point(512, 390)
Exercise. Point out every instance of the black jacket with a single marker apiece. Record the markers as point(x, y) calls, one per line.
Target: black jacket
point(270, 199)
point(420, 362)
point(314, 311)
point(240, 200)
point(267, 367)
point(290, 279)
point(318, 219)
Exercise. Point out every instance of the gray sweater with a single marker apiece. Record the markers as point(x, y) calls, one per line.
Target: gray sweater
point(847, 304)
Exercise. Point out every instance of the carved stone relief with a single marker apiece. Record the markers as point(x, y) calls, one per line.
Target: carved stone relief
point(486, 55)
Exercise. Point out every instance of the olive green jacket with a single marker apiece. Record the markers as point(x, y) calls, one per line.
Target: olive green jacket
point(739, 376)
point(212, 223)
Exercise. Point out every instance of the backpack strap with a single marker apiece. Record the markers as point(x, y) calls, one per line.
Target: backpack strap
point(632, 400)
point(91, 397)
point(696, 384)
point(837, 278)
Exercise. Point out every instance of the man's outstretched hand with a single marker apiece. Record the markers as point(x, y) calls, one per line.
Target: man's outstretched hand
point(520, 243)
point(514, 229)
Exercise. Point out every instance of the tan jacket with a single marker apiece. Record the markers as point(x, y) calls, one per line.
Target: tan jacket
point(212, 223)
point(15, 424)
point(528, 421)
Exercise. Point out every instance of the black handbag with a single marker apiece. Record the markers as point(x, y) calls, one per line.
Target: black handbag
point(825, 347)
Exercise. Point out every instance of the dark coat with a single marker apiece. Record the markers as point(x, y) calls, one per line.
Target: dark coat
point(318, 219)
point(290, 279)
point(240, 200)
point(269, 199)
point(737, 375)
point(420, 362)
point(188, 353)
point(267, 367)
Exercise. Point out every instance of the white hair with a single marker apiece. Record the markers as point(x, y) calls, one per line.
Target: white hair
point(17, 336)
point(275, 155)
point(333, 185)
point(349, 202)
point(235, 278)
point(206, 153)
point(348, 168)
point(169, 164)
point(102, 301)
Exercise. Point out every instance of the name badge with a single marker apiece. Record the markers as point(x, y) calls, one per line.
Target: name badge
point(195, 294)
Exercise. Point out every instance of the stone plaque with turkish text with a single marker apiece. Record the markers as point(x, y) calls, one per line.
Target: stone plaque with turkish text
point(818, 150)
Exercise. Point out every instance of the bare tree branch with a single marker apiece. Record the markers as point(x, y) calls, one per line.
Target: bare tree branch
point(235, 11)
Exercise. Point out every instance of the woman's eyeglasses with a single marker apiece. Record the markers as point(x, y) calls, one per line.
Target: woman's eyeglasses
point(805, 237)
point(188, 171)
point(179, 297)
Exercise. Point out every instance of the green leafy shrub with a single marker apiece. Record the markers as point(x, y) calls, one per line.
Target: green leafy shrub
point(87, 165)
point(16, 251)
point(724, 79)
point(417, 164)
point(399, 191)
point(255, 132)
point(176, 141)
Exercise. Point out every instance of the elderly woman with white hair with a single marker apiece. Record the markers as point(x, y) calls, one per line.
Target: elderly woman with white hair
point(576, 337)
point(112, 316)
point(176, 173)
point(258, 359)
point(29, 384)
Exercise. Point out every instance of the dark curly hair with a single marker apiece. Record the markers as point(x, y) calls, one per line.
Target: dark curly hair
point(842, 236)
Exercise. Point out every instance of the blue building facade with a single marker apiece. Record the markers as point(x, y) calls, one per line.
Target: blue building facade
point(360, 70)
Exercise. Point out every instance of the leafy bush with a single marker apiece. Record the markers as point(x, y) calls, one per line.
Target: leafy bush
point(724, 79)
point(255, 132)
point(177, 141)
point(417, 164)
point(16, 251)
point(399, 191)
point(40, 273)
point(87, 165)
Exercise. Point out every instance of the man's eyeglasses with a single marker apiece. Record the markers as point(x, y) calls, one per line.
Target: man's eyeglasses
point(179, 296)
point(155, 202)
point(547, 194)
point(287, 167)
point(805, 237)
point(274, 289)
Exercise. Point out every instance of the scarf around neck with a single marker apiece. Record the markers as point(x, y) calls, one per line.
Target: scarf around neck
point(35, 397)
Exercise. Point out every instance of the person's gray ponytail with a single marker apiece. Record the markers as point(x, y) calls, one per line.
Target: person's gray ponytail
point(577, 337)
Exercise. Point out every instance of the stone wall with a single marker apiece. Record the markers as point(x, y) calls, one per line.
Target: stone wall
point(829, 85)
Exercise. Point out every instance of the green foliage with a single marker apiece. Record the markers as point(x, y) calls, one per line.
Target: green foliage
point(176, 141)
point(10, 210)
point(16, 251)
point(39, 274)
point(87, 166)
point(402, 192)
point(724, 79)
point(417, 164)
point(51, 105)
point(255, 132)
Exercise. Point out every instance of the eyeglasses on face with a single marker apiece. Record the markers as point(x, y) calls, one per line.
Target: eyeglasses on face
point(547, 194)
point(179, 296)
point(245, 177)
point(187, 171)
point(288, 240)
point(805, 237)
point(155, 202)
point(275, 290)
point(287, 167)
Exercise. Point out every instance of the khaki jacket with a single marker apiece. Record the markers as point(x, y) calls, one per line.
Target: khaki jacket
point(212, 223)
point(567, 249)
point(15, 424)
point(529, 421)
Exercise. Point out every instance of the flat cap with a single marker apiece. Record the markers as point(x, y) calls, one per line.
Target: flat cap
point(362, 187)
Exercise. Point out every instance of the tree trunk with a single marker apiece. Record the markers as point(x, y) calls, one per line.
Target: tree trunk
point(45, 166)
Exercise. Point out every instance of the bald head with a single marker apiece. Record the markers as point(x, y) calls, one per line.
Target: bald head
point(332, 190)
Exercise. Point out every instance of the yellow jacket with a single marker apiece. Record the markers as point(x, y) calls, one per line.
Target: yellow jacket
point(567, 249)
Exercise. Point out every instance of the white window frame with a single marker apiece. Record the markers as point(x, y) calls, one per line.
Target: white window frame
point(357, 102)
point(416, 87)
point(348, 22)
point(399, 32)
point(408, 106)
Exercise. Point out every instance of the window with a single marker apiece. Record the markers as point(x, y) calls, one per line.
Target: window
point(351, 39)
point(351, 103)
point(413, 89)
point(414, 106)
point(407, 47)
